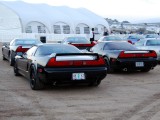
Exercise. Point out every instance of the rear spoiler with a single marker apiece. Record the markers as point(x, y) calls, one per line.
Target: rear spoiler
point(74, 54)
point(137, 54)
point(75, 59)
point(83, 45)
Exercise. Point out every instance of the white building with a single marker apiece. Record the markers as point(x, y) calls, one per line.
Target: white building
point(18, 17)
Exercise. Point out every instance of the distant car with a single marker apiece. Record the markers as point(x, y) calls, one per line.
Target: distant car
point(110, 38)
point(150, 44)
point(80, 42)
point(152, 36)
point(58, 64)
point(17, 46)
point(120, 55)
point(134, 38)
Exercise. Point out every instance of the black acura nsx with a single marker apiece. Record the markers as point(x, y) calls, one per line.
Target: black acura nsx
point(121, 55)
point(58, 64)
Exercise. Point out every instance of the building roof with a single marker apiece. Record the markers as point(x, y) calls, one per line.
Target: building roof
point(49, 15)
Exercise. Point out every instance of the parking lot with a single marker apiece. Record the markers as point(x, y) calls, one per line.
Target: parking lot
point(121, 96)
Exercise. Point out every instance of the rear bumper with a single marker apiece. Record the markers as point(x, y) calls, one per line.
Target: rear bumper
point(131, 64)
point(64, 75)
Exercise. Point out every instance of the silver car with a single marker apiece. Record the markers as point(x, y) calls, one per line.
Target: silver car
point(110, 38)
point(150, 44)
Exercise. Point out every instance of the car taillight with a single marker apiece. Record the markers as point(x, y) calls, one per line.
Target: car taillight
point(151, 54)
point(130, 41)
point(53, 63)
point(137, 55)
point(97, 62)
point(20, 49)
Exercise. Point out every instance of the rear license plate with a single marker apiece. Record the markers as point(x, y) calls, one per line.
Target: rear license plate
point(139, 64)
point(78, 76)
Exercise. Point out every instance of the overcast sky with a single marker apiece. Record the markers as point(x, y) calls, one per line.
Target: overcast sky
point(131, 10)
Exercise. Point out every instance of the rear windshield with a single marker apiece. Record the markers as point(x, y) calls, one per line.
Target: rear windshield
point(26, 41)
point(108, 38)
point(77, 40)
point(152, 36)
point(49, 49)
point(153, 43)
point(119, 46)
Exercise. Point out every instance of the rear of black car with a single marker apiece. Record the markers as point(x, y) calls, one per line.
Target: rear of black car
point(73, 71)
point(65, 75)
point(141, 60)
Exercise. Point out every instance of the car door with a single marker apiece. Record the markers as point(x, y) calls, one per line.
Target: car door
point(26, 59)
point(6, 50)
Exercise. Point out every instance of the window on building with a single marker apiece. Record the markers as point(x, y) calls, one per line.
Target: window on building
point(77, 30)
point(57, 29)
point(29, 29)
point(86, 30)
point(96, 30)
point(41, 29)
point(66, 29)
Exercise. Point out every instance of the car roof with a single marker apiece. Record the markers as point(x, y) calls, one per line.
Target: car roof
point(151, 39)
point(111, 41)
point(53, 44)
point(25, 39)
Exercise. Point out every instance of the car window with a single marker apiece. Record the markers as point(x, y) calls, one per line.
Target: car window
point(109, 38)
point(119, 46)
point(153, 43)
point(26, 41)
point(49, 49)
point(152, 36)
point(77, 40)
point(131, 37)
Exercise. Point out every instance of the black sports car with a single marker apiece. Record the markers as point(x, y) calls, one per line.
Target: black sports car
point(124, 56)
point(80, 42)
point(59, 63)
point(17, 46)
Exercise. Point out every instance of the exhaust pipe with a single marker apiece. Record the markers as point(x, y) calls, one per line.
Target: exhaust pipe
point(125, 69)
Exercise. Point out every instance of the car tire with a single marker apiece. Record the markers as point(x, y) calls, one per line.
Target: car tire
point(35, 83)
point(16, 73)
point(107, 65)
point(11, 61)
point(4, 58)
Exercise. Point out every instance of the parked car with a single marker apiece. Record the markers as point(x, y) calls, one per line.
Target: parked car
point(120, 55)
point(58, 64)
point(150, 44)
point(152, 36)
point(80, 42)
point(134, 38)
point(110, 38)
point(17, 46)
